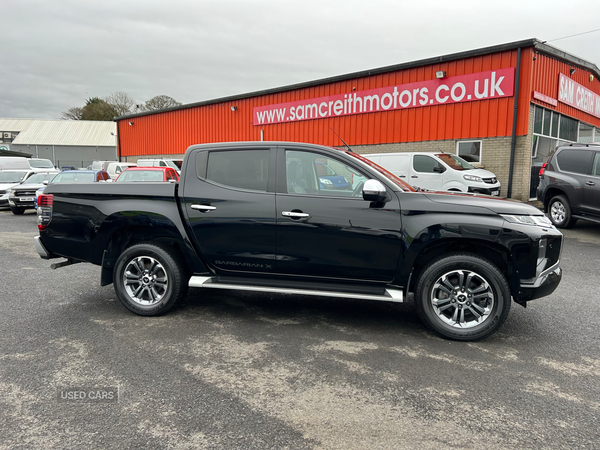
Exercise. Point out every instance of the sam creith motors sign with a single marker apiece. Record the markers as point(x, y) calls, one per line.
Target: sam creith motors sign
point(463, 88)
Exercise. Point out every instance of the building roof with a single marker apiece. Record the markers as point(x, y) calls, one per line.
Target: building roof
point(61, 132)
point(539, 46)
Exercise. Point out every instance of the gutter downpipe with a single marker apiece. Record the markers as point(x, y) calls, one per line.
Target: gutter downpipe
point(513, 140)
point(118, 141)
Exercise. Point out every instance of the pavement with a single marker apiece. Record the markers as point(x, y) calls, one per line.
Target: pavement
point(231, 370)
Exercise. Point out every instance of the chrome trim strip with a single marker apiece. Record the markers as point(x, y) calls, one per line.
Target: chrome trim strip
point(204, 208)
point(391, 295)
point(542, 276)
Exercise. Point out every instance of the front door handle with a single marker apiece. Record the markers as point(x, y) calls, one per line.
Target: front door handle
point(590, 183)
point(414, 176)
point(295, 215)
point(204, 208)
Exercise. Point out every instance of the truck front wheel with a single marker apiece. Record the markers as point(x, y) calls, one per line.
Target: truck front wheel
point(463, 297)
point(149, 278)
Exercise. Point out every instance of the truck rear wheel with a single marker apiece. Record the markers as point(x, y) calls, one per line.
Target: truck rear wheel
point(463, 297)
point(150, 278)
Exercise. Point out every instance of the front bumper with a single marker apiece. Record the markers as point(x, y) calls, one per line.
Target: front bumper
point(487, 191)
point(544, 284)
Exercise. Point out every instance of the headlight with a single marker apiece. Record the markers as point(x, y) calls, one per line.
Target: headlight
point(540, 221)
point(473, 178)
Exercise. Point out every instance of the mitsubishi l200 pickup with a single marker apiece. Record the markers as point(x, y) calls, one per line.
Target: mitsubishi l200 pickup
point(256, 216)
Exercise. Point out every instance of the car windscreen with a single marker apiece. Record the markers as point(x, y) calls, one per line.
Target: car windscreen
point(11, 177)
point(454, 162)
point(38, 178)
point(74, 177)
point(140, 175)
point(386, 173)
point(41, 164)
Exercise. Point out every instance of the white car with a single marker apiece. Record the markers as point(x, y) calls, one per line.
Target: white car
point(9, 179)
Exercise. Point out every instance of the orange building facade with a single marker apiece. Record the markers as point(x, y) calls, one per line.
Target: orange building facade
point(504, 108)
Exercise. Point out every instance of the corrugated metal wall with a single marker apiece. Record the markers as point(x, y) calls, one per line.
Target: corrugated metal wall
point(545, 80)
point(172, 132)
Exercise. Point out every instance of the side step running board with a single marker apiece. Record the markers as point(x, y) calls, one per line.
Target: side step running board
point(390, 295)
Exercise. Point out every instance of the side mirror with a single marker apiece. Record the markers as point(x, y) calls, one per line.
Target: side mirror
point(45, 182)
point(374, 191)
point(439, 169)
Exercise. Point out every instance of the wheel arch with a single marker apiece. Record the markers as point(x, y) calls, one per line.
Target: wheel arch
point(497, 254)
point(127, 235)
point(553, 192)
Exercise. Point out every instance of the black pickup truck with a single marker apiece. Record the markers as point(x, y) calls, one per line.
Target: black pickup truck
point(305, 219)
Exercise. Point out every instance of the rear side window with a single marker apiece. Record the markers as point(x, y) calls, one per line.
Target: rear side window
point(246, 169)
point(576, 161)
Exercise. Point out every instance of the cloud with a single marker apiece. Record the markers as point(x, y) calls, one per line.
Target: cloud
point(58, 53)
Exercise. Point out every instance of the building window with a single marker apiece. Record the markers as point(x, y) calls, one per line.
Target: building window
point(470, 151)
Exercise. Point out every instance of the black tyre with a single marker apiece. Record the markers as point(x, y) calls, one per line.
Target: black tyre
point(17, 211)
point(462, 297)
point(560, 212)
point(150, 278)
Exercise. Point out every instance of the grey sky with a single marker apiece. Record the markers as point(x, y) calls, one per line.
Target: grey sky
point(55, 54)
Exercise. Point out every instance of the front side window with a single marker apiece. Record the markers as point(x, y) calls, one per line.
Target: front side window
point(424, 164)
point(470, 151)
point(317, 174)
point(245, 169)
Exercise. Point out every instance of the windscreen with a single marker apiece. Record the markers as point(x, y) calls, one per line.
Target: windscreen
point(386, 173)
point(75, 177)
point(11, 177)
point(38, 178)
point(41, 164)
point(454, 162)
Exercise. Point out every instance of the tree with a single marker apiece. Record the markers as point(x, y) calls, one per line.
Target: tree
point(97, 109)
point(122, 102)
point(160, 102)
point(72, 113)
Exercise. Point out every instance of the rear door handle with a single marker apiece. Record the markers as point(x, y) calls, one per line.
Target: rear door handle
point(414, 176)
point(204, 208)
point(590, 183)
point(295, 215)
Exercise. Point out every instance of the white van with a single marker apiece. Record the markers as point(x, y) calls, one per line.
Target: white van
point(14, 163)
point(115, 168)
point(173, 163)
point(101, 165)
point(40, 164)
point(438, 172)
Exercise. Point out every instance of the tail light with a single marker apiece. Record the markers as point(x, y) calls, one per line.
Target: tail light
point(542, 169)
point(44, 211)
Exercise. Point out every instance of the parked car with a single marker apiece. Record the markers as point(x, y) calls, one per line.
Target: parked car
point(438, 172)
point(22, 196)
point(114, 169)
point(9, 179)
point(173, 163)
point(74, 176)
point(40, 164)
point(570, 184)
point(99, 165)
point(14, 163)
point(236, 222)
point(136, 174)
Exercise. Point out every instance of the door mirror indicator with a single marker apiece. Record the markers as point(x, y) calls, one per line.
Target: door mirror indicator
point(374, 191)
